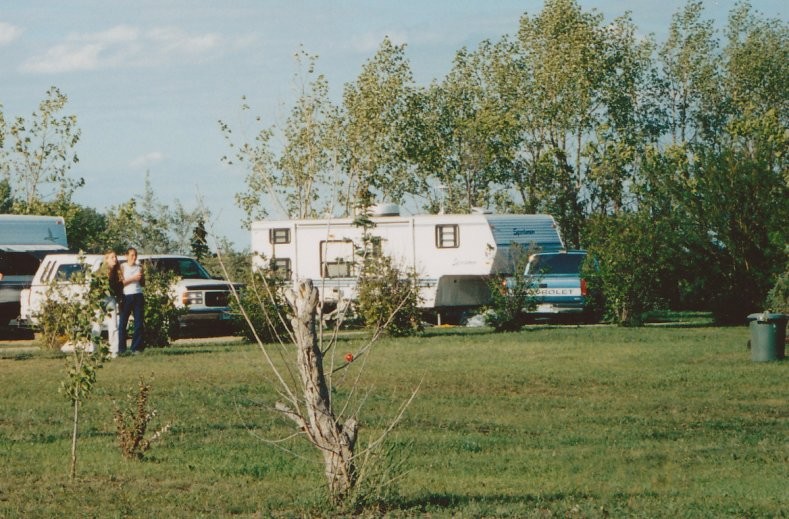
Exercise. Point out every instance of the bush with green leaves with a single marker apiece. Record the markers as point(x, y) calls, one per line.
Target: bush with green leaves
point(388, 298)
point(53, 322)
point(261, 301)
point(72, 309)
point(634, 257)
point(778, 297)
point(511, 297)
point(161, 314)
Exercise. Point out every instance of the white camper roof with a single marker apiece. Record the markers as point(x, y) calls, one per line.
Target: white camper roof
point(31, 233)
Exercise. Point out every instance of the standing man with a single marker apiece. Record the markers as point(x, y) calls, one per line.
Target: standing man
point(133, 302)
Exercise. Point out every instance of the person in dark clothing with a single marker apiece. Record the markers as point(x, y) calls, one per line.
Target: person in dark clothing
point(112, 269)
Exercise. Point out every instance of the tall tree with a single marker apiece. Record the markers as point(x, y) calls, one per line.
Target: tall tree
point(181, 223)
point(756, 72)
point(563, 54)
point(38, 154)
point(630, 119)
point(299, 178)
point(308, 156)
point(141, 222)
point(468, 137)
point(375, 130)
point(690, 75)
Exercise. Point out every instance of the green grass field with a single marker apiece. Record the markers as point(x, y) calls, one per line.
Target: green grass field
point(599, 421)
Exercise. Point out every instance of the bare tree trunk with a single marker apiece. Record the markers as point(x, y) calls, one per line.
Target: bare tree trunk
point(336, 441)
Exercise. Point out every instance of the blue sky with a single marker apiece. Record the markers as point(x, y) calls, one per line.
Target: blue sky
point(149, 79)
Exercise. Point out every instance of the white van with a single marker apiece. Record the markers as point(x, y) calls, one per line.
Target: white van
point(24, 241)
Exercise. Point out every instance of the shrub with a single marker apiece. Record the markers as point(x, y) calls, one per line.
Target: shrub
point(512, 297)
point(161, 314)
point(262, 302)
point(634, 260)
point(72, 310)
point(131, 423)
point(52, 323)
point(778, 298)
point(388, 298)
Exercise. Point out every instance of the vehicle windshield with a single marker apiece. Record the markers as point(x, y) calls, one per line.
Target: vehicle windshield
point(556, 263)
point(186, 268)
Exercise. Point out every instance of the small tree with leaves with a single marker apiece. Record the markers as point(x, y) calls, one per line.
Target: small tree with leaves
point(511, 297)
point(388, 298)
point(161, 314)
point(80, 314)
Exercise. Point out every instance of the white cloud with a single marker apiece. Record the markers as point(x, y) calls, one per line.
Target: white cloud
point(122, 46)
point(9, 33)
point(174, 41)
point(64, 58)
point(144, 161)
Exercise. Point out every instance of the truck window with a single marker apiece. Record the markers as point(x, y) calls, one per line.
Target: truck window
point(186, 268)
point(67, 271)
point(556, 263)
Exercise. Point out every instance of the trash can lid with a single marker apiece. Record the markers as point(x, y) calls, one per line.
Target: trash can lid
point(768, 317)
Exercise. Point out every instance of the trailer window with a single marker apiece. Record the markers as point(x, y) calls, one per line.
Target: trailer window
point(281, 267)
point(278, 236)
point(447, 236)
point(337, 259)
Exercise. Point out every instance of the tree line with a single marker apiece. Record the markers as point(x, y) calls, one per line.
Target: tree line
point(667, 160)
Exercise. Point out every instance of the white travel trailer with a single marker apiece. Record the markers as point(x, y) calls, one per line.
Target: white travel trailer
point(24, 241)
point(452, 255)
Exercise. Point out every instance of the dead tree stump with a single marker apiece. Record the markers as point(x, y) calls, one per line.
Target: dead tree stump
point(315, 415)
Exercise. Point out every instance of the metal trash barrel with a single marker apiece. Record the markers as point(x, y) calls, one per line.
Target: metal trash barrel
point(768, 336)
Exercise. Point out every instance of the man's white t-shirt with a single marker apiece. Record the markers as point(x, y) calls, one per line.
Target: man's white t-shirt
point(129, 271)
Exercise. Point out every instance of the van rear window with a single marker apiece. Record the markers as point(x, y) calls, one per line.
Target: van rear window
point(556, 263)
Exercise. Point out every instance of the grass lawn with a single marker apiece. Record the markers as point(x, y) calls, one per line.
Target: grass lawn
point(595, 421)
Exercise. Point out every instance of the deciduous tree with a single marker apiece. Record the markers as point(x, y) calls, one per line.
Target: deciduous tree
point(38, 154)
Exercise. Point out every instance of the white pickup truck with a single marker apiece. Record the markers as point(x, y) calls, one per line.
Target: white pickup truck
point(206, 298)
